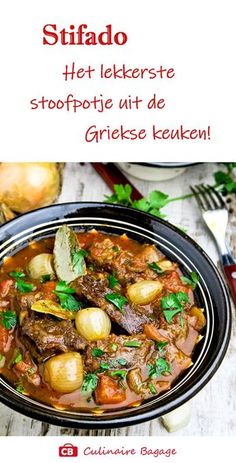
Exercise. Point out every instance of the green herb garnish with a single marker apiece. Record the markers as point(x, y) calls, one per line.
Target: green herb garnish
point(116, 248)
point(118, 300)
point(155, 267)
point(24, 287)
point(174, 300)
point(152, 388)
point(225, 180)
point(20, 388)
point(120, 373)
point(114, 347)
point(18, 357)
point(132, 343)
point(78, 261)
point(112, 281)
point(96, 352)
point(17, 274)
point(20, 284)
point(8, 319)
point(160, 345)
point(192, 281)
point(169, 314)
point(175, 303)
point(122, 361)
point(45, 278)
point(63, 287)
point(68, 302)
point(30, 371)
point(104, 366)
point(160, 367)
point(90, 382)
point(154, 203)
point(122, 195)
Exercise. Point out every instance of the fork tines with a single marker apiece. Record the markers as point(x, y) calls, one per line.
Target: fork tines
point(208, 197)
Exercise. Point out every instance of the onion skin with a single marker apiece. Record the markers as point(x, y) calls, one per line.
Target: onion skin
point(25, 186)
point(93, 324)
point(40, 265)
point(201, 320)
point(64, 372)
point(144, 292)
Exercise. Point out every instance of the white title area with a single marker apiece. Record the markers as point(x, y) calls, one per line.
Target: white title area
point(126, 81)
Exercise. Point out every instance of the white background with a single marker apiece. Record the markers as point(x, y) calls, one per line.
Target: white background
point(194, 37)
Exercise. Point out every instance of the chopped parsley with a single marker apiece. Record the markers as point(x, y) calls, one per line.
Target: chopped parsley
point(90, 382)
point(20, 388)
point(160, 367)
point(120, 373)
point(114, 347)
point(160, 345)
point(64, 293)
point(96, 352)
point(8, 319)
point(157, 200)
point(192, 281)
point(24, 287)
point(45, 278)
point(118, 300)
point(174, 302)
point(20, 284)
point(112, 281)
point(132, 343)
point(104, 366)
point(155, 267)
point(116, 248)
point(152, 388)
point(18, 357)
point(169, 314)
point(122, 361)
point(63, 287)
point(78, 261)
point(68, 302)
point(17, 274)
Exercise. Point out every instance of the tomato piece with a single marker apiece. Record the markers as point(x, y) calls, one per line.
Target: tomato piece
point(173, 283)
point(108, 391)
point(5, 287)
point(3, 338)
point(47, 290)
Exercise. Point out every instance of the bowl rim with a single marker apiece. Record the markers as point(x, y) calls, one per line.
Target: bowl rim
point(54, 416)
point(166, 165)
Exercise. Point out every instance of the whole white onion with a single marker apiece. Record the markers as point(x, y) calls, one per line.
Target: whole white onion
point(25, 186)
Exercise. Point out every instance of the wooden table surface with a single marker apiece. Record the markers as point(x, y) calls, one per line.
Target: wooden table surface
point(214, 408)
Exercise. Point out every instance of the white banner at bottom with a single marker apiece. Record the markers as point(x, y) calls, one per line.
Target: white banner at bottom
point(136, 449)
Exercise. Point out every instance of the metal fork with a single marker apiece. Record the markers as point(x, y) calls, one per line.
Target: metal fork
point(215, 215)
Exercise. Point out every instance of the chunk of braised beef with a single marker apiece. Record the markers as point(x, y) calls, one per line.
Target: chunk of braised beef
point(115, 354)
point(127, 266)
point(94, 287)
point(52, 335)
point(25, 301)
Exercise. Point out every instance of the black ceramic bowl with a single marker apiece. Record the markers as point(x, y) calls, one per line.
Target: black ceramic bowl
point(211, 294)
